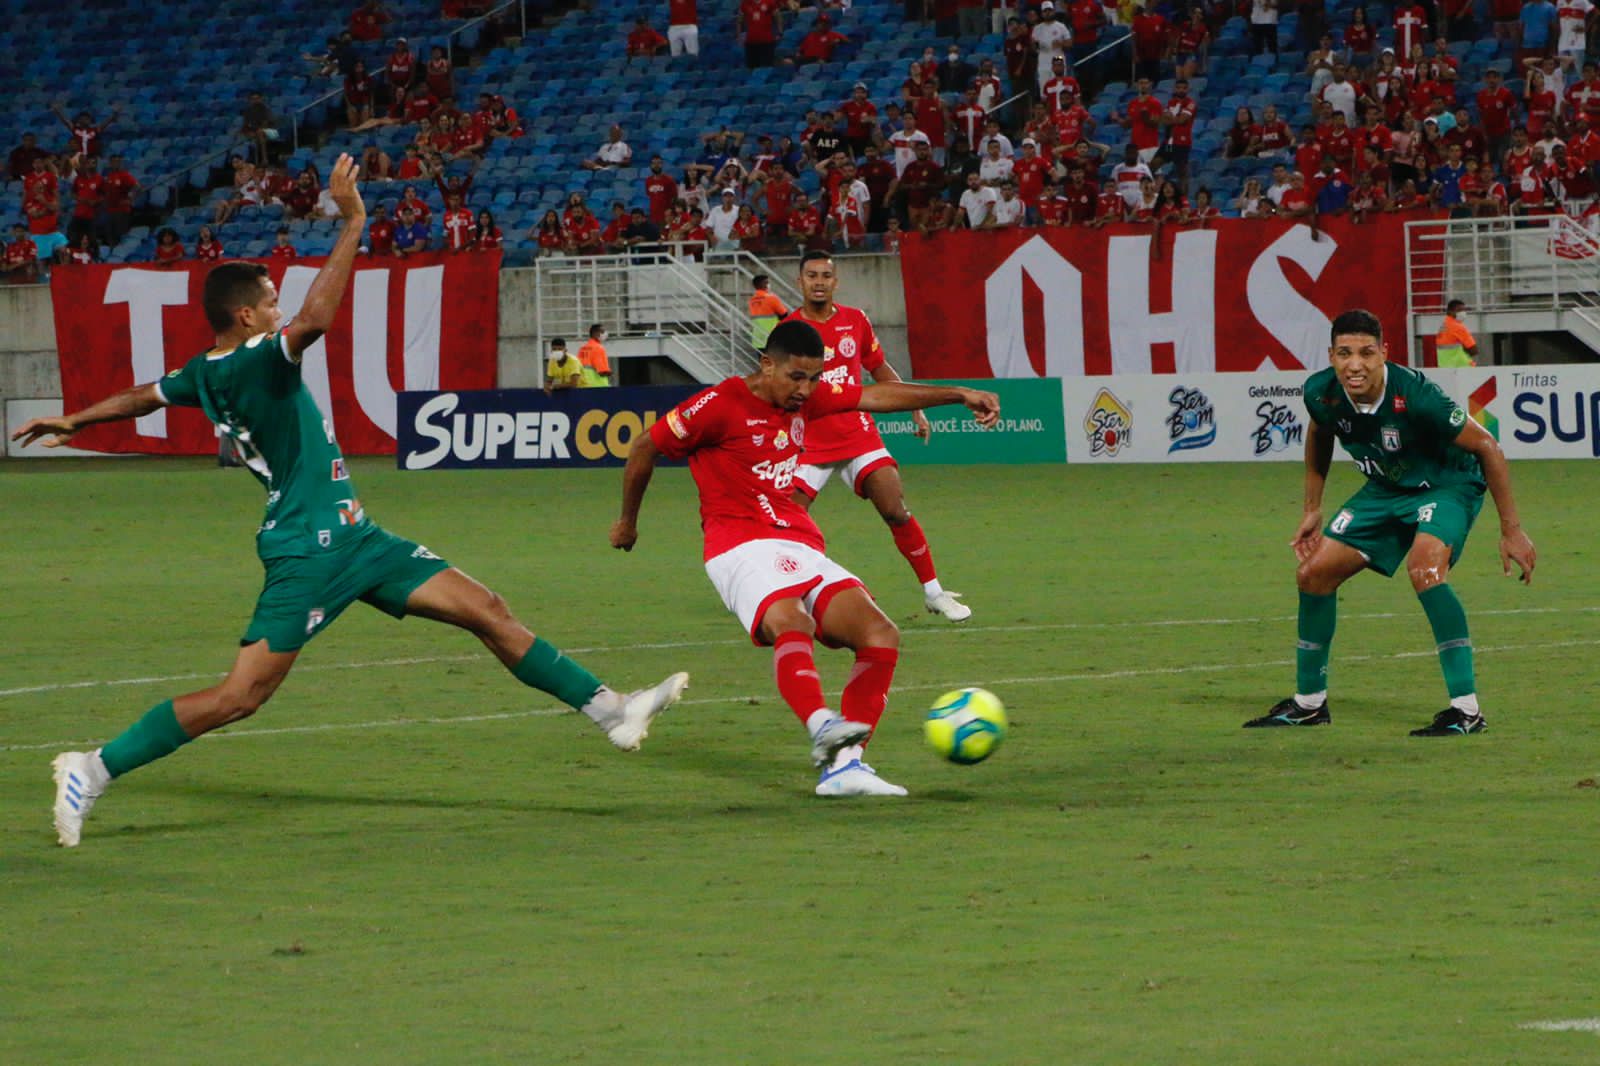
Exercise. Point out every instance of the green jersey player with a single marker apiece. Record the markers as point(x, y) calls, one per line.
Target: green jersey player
point(320, 550)
point(1427, 465)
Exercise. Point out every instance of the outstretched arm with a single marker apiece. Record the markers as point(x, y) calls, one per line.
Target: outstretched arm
point(635, 479)
point(908, 396)
point(1319, 457)
point(327, 289)
point(885, 374)
point(1515, 546)
point(129, 403)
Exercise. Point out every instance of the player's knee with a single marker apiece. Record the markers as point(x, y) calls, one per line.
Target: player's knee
point(882, 633)
point(1314, 580)
point(1426, 574)
point(896, 513)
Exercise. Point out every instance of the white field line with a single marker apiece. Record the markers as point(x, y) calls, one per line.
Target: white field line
point(1565, 1025)
point(951, 631)
point(999, 682)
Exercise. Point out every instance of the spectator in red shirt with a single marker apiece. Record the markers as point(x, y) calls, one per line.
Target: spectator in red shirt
point(88, 194)
point(747, 232)
point(459, 224)
point(21, 162)
point(921, 183)
point(207, 248)
point(1193, 44)
point(380, 233)
point(1497, 109)
point(169, 250)
point(302, 199)
point(400, 69)
point(358, 97)
point(818, 45)
point(283, 249)
point(659, 189)
point(117, 186)
point(583, 233)
point(778, 194)
point(761, 24)
point(1359, 38)
point(644, 42)
point(1143, 119)
point(1299, 201)
point(84, 250)
point(84, 133)
point(683, 27)
point(805, 225)
point(440, 74)
point(1060, 89)
point(1028, 171)
point(1178, 121)
point(860, 117)
point(549, 235)
point(879, 176)
point(21, 260)
point(1019, 58)
point(486, 235)
point(368, 20)
point(1151, 45)
point(1088, 17)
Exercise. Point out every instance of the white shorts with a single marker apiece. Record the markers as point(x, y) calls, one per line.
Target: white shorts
point(810, 479)
point(684, 39)
point(759, 573)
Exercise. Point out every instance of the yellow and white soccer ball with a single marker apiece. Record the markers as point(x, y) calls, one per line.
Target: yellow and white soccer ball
point(966, 726)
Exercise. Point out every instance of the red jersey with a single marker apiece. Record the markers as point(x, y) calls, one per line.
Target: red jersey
point(758, 21)
point(922, 181)
point(858, 118)
point(969, 122)
point(1062, 92)
point(660, 190)
point(743, 453)
point(87, 192)
point(1144, 121)
point(584, 232)
point(86, 139)
point(283, 251)
point(1029, 175)
point(1495, 110)
point(209, 252)
point(1111, 206)
point(1359, 39)
point(169, 253)
point(931, 115)
point(850, 347)
point(682, 13)
point(1274, 136)
point(458, 227)
point(1308, 158)
point(1087, 18)
point(23, 251)
point(779, 193)
point(399, 68)
point(380, 237)
point(1541, 111)
point(440, 82)
point(1052, 210)
point(1410, 25)
point(1181, 133)
point(485, 241)
point(39, 187)
point(1080, 200)
point(420, 211)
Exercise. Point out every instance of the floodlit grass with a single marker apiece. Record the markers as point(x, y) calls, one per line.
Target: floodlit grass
point(408, 858)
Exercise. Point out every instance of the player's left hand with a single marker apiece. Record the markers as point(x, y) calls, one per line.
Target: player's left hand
point(985, 407)
point(921, 427)
point(60, 430)
point(624, 535)
point(1516, 547)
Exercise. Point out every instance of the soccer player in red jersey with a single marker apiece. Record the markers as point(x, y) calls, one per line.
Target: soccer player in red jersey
point(763, 553)
point(849, 444)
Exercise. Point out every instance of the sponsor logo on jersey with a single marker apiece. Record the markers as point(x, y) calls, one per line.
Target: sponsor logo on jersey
point(780, 473)
point(847, 346)
point(836, 377)
point(1108, 424)
point(693, 409)
point(422, 552)
point(785, 564)
point(314, 619)
point(781, 441)
point(339, 471)
point(1458, 418)
point(1345, 426)
point(1478, 402)
point(351, 512)
point(758, 439)
point(754, 422)
point(1278, 429)
point(1193, 421)
point(1400, 405)
point(1391, 439)
point(675, 424)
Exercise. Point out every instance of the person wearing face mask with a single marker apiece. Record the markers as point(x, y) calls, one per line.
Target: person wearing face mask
point(596, 367)
point(563, 371)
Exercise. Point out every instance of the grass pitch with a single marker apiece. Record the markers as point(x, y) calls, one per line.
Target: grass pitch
point(408, 858)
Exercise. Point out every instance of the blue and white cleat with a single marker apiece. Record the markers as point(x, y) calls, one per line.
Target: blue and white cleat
point(836, 735)
point(852, 777)
point(80, 779)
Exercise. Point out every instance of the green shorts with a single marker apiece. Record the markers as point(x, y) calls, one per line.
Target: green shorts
point(303, 595)
point(1380, 522)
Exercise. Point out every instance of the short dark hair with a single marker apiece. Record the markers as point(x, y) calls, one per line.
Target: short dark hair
point(1453, 306)
point(1356, 320)
point(794, 339)
point(229, 287)
point(760, 281)
point(596, 328)
point(558, 342)
point(812, 256)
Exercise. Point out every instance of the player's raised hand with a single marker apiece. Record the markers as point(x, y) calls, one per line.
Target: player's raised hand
point(985, 406)
point(1308, 536)
point(1516, 547)
point(624, 535)
point(60, 430)
point(921, 427)
point(342, 187)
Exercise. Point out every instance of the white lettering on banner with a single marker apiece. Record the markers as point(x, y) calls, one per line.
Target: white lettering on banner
point(424, 315)
point(1190, 327)
point(1295, 322)
point(369, 348)
point(533, 435)
point(147, 292)
point(1062, 286)
point(314, 360)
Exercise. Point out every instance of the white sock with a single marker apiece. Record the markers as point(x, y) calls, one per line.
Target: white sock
point(1312, 701)
point(845, 756)
point(817, 720)
point(930, 589)
point(1468, 703)
point(604, 706)
point(97, 767)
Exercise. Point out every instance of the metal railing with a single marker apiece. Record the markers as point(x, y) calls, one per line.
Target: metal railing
point(652, 297)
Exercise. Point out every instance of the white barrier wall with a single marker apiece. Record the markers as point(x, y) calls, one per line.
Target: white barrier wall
point(1540, 412)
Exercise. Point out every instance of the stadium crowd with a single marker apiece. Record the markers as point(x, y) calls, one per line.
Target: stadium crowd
point(1002, 141)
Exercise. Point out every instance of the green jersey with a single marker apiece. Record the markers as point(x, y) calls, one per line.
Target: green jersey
point(1405, 442)
point(256, 397)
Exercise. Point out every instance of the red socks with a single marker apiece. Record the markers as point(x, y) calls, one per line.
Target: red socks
point(914, 546)
point(798, 681)
point(866, 694)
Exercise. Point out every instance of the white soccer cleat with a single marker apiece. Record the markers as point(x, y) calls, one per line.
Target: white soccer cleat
point(834, 737)
point(949, 605)
point(80, 779)
point(856, 778)
point(640, 708)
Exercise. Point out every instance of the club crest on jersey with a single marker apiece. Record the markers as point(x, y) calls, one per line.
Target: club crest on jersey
point(785, 564)
point(847, 347)
point(314, 619)
point(339, 471)
point(324, 537)
point(1391, 439)
point(797, 431)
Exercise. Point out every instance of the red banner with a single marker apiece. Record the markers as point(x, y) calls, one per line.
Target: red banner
point(1246, 294)
point(117, 326)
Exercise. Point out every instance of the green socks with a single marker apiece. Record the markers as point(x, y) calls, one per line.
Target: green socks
point(545, 668)
point(155, 735)
point(1449, 624)
point(1317, 617)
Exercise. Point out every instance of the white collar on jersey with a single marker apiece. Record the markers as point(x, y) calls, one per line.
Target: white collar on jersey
point(1370, 408)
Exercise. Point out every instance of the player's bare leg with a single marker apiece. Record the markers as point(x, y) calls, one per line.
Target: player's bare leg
point(790, 629)
point(1330, 564)
point(452, 597)
point(887, 493)
point(82, 776)
point(1428, 566)
point(850, 619)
